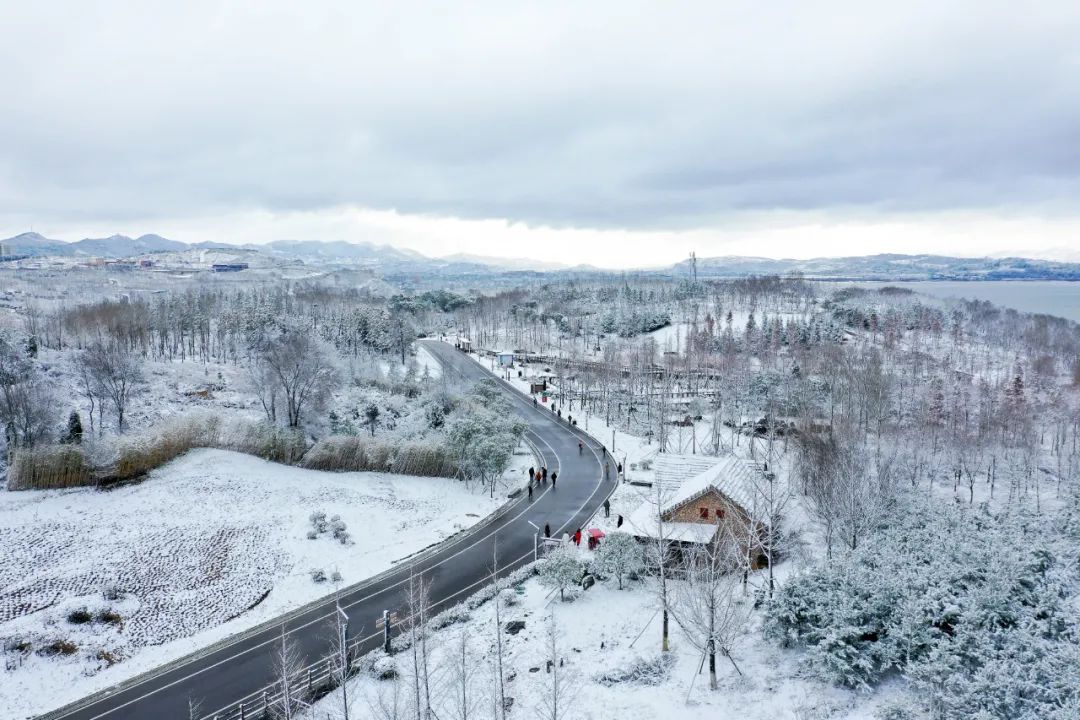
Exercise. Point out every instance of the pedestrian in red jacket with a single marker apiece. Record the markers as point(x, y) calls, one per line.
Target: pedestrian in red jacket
point(577, 537)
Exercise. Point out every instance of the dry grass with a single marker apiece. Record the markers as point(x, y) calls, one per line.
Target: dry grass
point(132, 457)
point(276, 444)
point(341, 453)
point(49, 466)
point(137, 456)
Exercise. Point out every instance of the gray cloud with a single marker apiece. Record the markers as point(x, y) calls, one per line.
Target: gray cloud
point(605, 114)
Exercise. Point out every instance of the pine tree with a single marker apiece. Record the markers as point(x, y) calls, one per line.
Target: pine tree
point(74, 429)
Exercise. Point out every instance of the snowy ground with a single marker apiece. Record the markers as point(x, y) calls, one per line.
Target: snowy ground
point(604, 631)
point(209, 545)
point(773, 684)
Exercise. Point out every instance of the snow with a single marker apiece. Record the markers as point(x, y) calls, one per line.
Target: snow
point(427, 361)
point(605, 631)
point(209, 545)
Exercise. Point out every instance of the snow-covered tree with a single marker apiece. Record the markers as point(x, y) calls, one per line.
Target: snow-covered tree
point(561, 569)
point(292, 365)
point(620, 554)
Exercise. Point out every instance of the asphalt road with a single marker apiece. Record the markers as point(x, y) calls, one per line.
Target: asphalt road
point(455, 569)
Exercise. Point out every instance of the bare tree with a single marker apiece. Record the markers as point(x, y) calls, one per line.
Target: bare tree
point(27, 406)
point(709, 607)
point(265, 384)
point(27, 412)
point(497, 666)
point(464, 672)
point(340, 659)
point(287, 667)
point(114, 375)
point(560, 684)
point(847, 493)
point(418, 606)
point(294, 366)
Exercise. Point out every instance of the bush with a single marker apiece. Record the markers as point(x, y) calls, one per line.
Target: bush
point(318, 575)
point(81, 616)
point(110, 617)
point(640, 671)
point(59, 647)
point(49, 466)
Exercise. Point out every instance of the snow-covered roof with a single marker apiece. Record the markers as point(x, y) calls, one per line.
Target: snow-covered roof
point(732, 476)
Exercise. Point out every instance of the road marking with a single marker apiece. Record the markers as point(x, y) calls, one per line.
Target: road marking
point(515, 395)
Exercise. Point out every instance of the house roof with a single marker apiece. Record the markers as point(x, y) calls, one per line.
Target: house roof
point(732, 476)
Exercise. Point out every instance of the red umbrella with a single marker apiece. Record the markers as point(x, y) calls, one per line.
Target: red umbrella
point(596, 533)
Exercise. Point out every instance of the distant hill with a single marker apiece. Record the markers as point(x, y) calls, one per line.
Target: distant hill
point(115, 246)
point(32, 243)
point(886, 267)
point(340, 250)
point(397, 262)
point(119, 246)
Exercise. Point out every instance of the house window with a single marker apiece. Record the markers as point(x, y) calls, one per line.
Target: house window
point(719, 514)
point(703, 513)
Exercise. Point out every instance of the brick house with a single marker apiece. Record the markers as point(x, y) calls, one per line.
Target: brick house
point(716, 505)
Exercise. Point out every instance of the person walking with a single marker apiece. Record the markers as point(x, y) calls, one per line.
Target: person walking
point(532, 474)
point(547, 530)
point(530, 490)
point(580, 448)
point(577, 537)
point(607, 507)
point(554, 477)
point(543, 474)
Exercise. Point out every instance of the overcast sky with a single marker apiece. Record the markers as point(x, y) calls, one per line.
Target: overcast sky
point(616, 133)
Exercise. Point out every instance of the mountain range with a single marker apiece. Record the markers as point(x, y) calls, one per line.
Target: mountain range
point(391, 260)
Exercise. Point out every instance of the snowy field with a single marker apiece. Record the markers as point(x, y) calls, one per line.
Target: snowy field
point(209, 545)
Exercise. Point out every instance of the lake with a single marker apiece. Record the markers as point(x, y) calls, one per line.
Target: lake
point(1052, 297)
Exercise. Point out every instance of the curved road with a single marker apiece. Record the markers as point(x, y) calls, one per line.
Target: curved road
point(241, 667)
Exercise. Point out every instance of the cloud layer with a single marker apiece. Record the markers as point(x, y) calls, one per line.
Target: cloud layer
point(617, 116)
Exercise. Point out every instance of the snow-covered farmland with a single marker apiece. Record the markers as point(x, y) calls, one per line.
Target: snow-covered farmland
point(209, 545)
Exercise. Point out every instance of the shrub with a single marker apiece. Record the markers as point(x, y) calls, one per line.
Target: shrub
point(81, 616)
point(318, 575)
point(640, 671)
point(49, 466)
point(110, 617)
point(59, 647)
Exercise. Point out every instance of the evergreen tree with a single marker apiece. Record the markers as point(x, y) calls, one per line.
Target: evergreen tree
point(74, 428)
